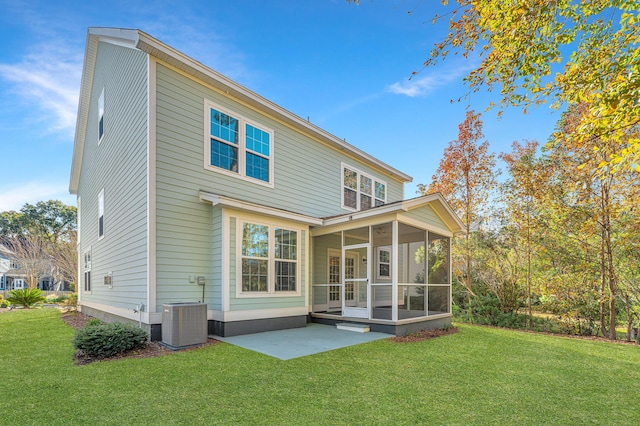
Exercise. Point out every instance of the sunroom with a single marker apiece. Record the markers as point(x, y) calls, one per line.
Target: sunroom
point(388, 267)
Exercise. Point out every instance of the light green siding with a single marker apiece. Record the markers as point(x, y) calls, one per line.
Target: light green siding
point(307, 173)
point(425, 214)
point(216, 261)
point(119, 166)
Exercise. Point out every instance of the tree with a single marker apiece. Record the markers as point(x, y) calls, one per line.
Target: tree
point(518, 194)
point(524, 51)
point(465, 177)
point(30, 253)
point(43, 236)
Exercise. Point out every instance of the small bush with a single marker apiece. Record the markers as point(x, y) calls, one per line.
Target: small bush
point(28, 297)
point(72, 300)
point(106, 340)
point(4, 303)
point(93, 322)
point(54, 298)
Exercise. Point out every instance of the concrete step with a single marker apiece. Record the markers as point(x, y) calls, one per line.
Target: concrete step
point(349, 326)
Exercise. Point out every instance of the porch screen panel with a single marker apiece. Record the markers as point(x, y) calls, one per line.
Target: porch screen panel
point(438, 260)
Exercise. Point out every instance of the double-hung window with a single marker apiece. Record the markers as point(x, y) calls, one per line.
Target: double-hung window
point(269, 259)
point(361, 191)
point(237, 146)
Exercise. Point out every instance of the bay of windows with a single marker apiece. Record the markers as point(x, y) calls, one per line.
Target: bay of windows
point(269, 259)
point(239, 147)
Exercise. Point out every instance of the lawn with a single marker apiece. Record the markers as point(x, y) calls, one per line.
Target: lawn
point(477, 376)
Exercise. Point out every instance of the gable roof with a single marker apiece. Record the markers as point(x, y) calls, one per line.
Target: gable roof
point(435, 200)
point(137, 39)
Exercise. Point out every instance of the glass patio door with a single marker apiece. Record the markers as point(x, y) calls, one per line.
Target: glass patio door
point(355, 291)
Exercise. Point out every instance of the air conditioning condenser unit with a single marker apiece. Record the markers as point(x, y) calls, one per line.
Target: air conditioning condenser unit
point(184, 324)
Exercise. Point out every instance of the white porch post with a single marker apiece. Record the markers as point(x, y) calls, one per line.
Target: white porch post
point(394, 270)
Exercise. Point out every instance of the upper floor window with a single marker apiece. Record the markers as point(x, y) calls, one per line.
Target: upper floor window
point(361, 191)
point(101, 214)
point(101, 116)
point(238, 147)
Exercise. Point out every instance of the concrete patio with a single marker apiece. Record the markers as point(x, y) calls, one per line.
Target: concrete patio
point(299, 342)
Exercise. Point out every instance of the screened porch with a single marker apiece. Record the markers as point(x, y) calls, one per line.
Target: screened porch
point(388, 272)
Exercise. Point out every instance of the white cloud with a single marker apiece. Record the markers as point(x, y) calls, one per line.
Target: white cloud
point(420, 85)
point(49, 79)
point(416, 87)
point(32, 192)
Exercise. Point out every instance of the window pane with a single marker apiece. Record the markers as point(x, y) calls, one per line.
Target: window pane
point(224, 126)
point(380, 191)
point(285, 276)
point(257, 140)
point(286, 244)
point(365, 202)
point(379, 203)
point(224, 156)
point(255, 240)
point(257, 167)
point(350, 198)
point(365, 185)
point(254, 275)
point(350, 179)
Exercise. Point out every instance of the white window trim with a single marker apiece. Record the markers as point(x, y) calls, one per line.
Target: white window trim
point(241, 174)
point(101, 213)
point(101, 116)
point(271, 264)
point(373, 188)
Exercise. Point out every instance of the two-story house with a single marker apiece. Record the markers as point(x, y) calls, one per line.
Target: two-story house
point(192, 187)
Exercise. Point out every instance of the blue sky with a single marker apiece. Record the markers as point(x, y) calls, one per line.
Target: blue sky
point(344, 67)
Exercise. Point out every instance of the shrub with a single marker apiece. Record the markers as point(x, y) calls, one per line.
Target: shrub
point(28, 297)
point(54, 298)
point(106, 340)
point(72, 300)
point(93, 322)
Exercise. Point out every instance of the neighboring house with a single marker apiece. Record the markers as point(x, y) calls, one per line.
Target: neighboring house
point(11, 277)
point(185, 178)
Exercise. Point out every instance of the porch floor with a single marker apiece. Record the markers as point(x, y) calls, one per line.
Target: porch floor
point(299, 342)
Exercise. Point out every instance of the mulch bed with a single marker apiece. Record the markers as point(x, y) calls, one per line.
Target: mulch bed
point(78, 320)
point(424, 335)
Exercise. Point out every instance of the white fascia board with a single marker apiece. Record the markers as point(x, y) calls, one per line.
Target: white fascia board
point(223, 201)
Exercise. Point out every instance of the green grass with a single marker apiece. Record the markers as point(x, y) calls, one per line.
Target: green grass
point(477, 376)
